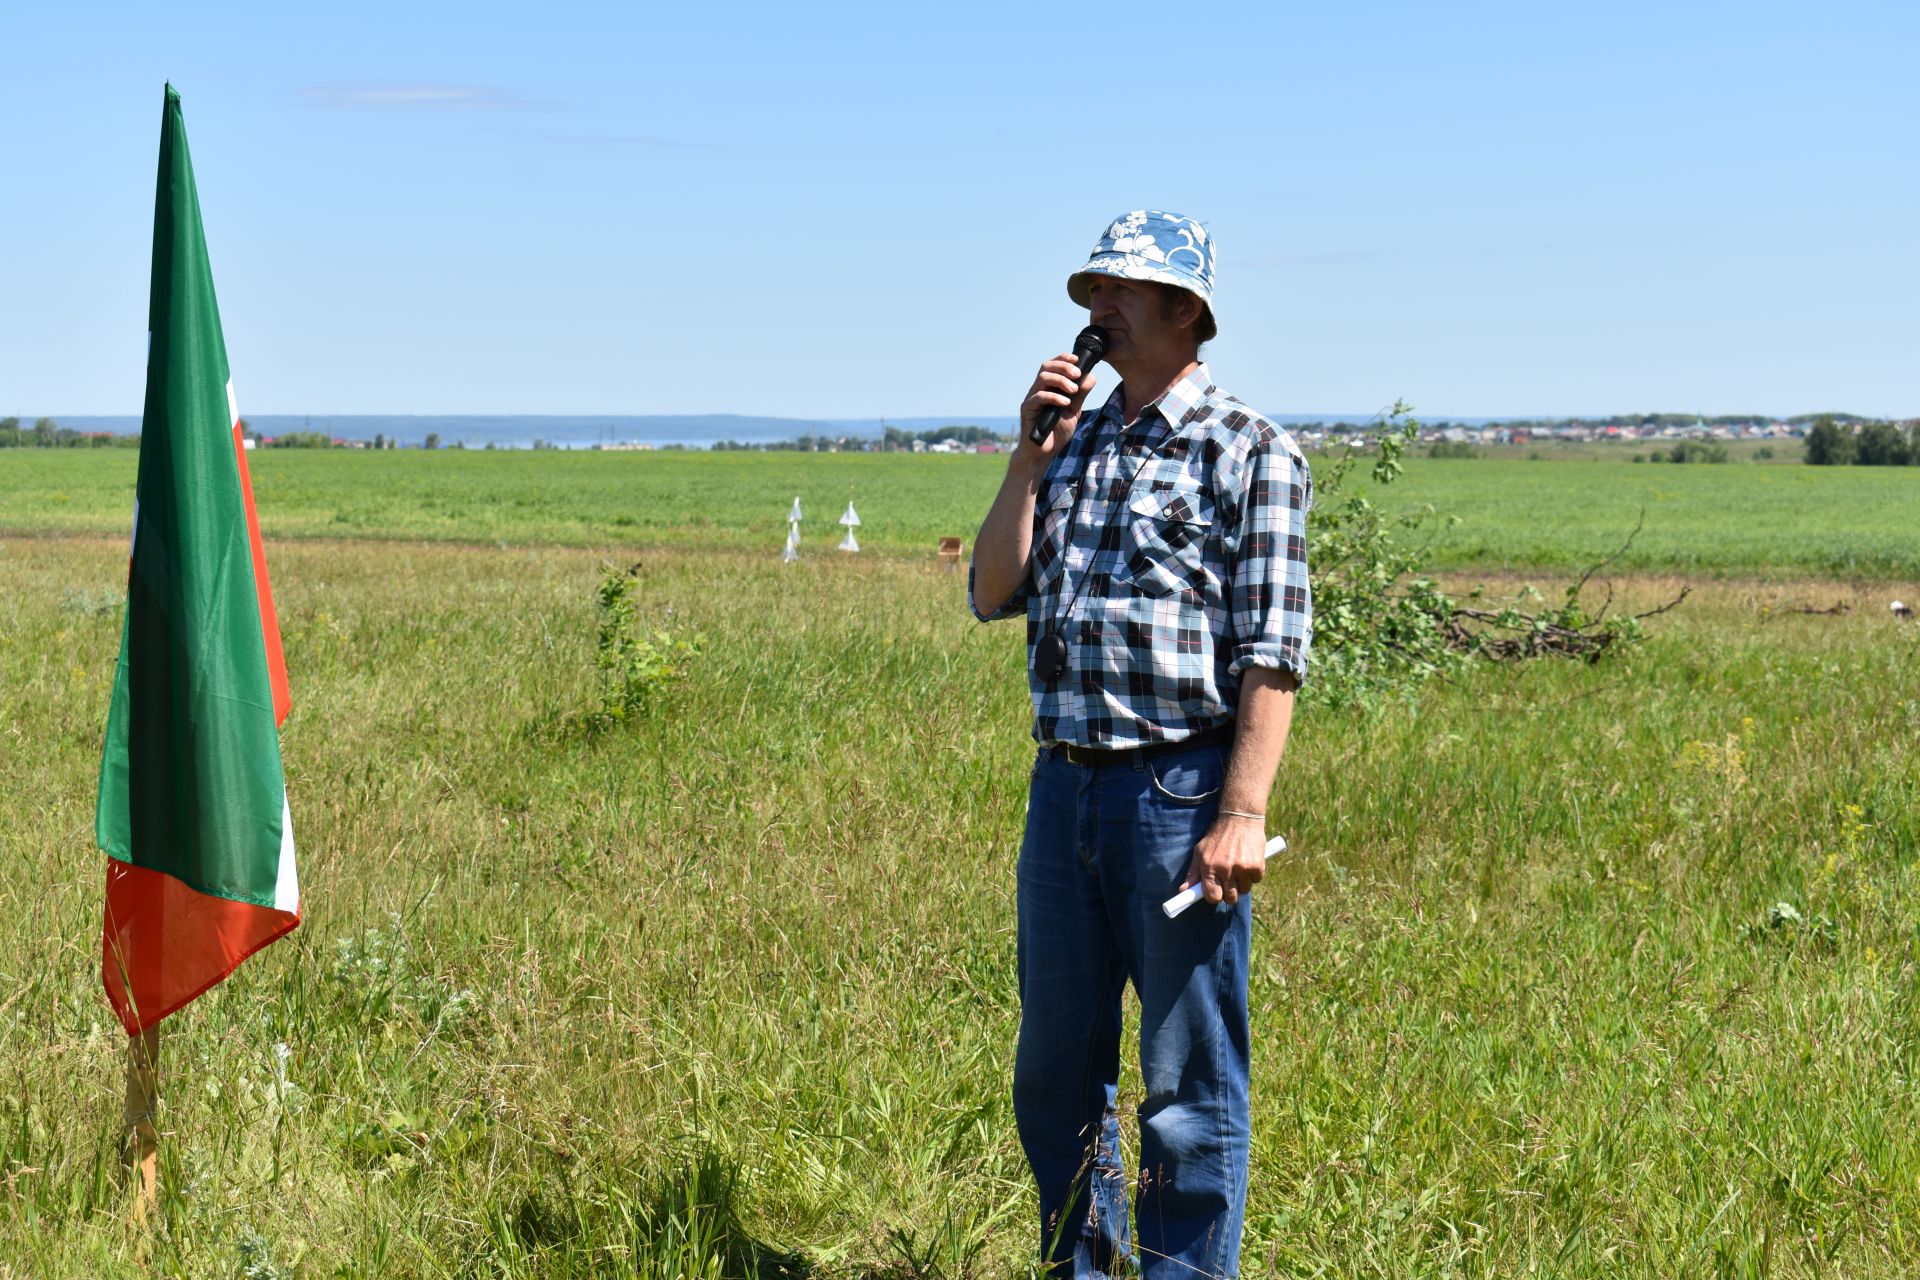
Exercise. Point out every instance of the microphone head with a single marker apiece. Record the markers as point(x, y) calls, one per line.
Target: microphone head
point(1091, 345)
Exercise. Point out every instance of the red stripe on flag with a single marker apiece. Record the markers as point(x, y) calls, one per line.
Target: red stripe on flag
point(269, 620)
point(164, 944)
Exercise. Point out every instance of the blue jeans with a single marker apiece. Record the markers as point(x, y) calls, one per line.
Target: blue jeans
point(1104, 847)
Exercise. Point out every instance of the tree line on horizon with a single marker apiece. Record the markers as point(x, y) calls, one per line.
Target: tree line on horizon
point(1832, 443)
point(891, 440)
point(45, 433)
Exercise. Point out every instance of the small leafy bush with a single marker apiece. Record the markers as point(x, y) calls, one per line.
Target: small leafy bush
point(1696, 451)
point(1378, 623)
point(636, 666)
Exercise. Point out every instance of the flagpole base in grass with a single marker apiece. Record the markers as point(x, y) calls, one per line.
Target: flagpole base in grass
point(140, 1138)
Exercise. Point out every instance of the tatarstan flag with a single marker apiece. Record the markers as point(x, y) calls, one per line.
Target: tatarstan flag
point(193, 809)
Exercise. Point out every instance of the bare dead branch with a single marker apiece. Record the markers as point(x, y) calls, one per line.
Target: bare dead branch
point(1592, 569)
point(1654, 613)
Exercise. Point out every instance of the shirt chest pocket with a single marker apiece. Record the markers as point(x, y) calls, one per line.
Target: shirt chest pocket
point(1167, 534)
point(1049, 552)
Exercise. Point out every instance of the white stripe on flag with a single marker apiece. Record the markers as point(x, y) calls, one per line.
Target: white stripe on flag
point(233, 407)
point(286, 885)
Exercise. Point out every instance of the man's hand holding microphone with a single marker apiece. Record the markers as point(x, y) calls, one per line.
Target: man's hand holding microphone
point(1051, 410)
point(1048, 417)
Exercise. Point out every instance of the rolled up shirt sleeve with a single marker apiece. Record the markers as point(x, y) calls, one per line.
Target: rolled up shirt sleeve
point(1269, 600)
point(1015, 607)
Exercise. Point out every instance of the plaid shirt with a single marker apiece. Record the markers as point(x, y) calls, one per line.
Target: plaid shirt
point(1188, 555)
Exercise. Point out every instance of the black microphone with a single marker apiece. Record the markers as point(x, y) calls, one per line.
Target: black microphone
point(1087, 349)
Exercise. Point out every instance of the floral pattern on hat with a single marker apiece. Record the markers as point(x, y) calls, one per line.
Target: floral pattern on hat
point(1149, 244)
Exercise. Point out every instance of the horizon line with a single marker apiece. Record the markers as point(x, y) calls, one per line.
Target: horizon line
point(965, 419)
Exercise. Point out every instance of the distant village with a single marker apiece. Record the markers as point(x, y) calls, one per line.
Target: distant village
point(1319, 435)
point(1584, 430)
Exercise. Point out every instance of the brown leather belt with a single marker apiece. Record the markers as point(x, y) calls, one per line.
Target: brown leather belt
point(1094, 757)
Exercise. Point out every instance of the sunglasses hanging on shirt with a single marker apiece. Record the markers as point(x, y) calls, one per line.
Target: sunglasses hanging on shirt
point(1050, 656)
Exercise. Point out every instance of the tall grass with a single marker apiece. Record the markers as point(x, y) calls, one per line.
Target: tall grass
point(728, 989)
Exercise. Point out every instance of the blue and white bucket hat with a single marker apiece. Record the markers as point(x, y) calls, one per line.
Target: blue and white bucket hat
point(1148, 244)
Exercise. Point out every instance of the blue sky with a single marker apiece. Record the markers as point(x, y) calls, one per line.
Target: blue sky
point(866, 210)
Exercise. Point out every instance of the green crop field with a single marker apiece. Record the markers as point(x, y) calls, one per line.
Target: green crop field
point(1741, 519)
point(1573, 970)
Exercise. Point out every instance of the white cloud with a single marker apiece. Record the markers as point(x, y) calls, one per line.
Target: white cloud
point(394, 95)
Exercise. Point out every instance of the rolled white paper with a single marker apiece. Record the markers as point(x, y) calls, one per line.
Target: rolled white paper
point(1194, 892)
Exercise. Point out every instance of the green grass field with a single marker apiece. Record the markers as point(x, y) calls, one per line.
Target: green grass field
point(1525, 998)
point(1747, 520)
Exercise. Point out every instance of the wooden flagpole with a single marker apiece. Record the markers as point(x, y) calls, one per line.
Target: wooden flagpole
point(140, 1139)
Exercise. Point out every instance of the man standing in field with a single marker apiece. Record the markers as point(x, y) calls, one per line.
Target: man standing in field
point(1157, 548)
